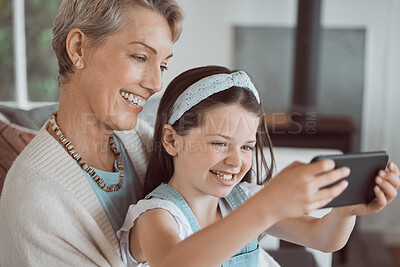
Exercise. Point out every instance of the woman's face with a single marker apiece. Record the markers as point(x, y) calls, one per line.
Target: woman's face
point(121, 74)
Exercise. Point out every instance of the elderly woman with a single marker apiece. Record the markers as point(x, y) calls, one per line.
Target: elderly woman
point(69, 190)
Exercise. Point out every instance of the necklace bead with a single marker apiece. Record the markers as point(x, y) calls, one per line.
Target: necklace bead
point(75, 155)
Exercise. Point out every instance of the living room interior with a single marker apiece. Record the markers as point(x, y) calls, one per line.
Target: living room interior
point(335, 91)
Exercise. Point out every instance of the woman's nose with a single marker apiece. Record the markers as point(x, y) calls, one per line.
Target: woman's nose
point(152, 79)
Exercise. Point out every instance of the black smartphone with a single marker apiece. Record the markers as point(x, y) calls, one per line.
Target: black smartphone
point(364, 168)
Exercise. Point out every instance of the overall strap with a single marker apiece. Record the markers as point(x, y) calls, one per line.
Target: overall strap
point(167, 192)
point(236, 198)
point(247, 256)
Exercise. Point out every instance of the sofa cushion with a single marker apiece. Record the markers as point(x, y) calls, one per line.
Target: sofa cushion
point(32, 119)
point(13, 140)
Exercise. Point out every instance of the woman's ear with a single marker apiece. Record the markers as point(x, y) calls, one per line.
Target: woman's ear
point(75, 45)
point(170, 139)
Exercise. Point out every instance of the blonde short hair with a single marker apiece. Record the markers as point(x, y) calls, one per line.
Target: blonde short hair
point(100, 18)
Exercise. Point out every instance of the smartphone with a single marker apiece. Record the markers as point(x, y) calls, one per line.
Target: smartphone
point(364, 168)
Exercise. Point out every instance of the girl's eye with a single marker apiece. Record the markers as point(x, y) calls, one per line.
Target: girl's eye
point(163, 68)
point(140, 59)
point(248, 148)
point(220, 144)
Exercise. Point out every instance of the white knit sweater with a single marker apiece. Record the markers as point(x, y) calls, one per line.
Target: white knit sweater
point(50, 216)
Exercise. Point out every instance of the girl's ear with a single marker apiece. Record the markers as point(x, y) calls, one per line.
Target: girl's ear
point(170, 140)
point(75, 46)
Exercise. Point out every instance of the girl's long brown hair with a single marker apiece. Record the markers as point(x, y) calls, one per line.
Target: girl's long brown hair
point(161, 168)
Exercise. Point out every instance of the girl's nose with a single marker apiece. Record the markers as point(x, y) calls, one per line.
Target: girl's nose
point(233, 158)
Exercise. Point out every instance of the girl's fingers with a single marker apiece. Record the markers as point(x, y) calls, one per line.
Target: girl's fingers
point(332, 176)
point(394, 168)
point(321, 166)
point(391, 177)
point(331, 192)
point(380, 197)
point(387, 188)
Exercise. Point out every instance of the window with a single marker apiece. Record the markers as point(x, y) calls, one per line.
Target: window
point(42, 65)
point(29, 72)
point(6, 52)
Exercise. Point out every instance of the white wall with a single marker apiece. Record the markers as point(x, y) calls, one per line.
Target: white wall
point(208, 39)
point(381, 93)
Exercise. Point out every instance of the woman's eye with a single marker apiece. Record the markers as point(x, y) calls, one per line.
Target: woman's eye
point(163, 68)
point(139, 59)
point(248, 148)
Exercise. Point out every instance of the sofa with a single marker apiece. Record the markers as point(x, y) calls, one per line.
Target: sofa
point(18, 127)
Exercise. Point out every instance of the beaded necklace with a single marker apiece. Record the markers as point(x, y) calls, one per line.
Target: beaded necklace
point(75, 155)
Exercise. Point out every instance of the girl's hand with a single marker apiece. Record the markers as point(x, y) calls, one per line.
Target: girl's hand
point(296, 190)
point(385, 191)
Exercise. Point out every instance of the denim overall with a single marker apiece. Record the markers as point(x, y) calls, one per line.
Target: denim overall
point(247, 256)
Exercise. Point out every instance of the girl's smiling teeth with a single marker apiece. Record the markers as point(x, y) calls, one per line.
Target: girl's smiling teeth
point(133, 99)
point(222, 175)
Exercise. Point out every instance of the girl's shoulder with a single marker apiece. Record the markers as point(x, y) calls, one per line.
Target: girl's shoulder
point(136, 210)
point(250, 189)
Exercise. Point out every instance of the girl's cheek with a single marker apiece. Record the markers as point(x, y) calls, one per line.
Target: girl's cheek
point(248, 164)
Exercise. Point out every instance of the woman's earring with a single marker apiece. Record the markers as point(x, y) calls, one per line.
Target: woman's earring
point(78, 63)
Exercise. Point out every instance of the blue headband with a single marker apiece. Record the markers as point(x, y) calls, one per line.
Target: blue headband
point(206, 87)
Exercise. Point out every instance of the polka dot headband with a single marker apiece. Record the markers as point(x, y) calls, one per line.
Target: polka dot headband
point(206, 87)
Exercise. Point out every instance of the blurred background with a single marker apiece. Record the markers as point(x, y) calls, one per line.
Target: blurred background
point(328, 72)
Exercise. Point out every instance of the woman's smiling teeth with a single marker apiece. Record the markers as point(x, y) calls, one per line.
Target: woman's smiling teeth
point(132, 99)
point(223, 175)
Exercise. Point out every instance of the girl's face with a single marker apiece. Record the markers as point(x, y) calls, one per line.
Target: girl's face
point(213, 158)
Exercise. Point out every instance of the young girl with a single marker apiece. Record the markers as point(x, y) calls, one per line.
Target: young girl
point(202, 210)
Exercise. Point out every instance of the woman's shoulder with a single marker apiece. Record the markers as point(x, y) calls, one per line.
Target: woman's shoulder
point(39, 175)
point(33, 196)
point(45, 187)
point(43, 158)
point(41, 151)
point(42, 172)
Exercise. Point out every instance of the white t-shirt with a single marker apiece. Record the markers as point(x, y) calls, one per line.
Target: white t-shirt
point(185, 230)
